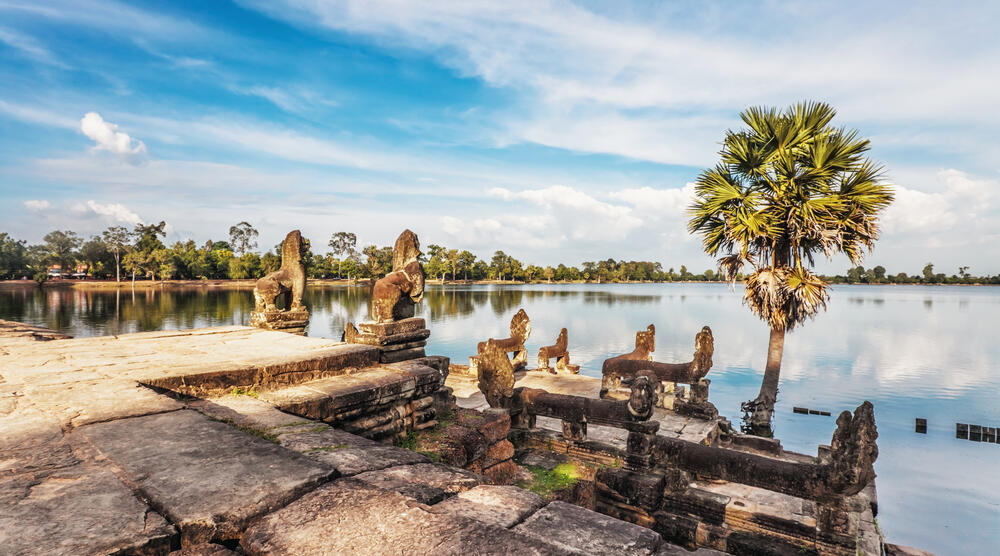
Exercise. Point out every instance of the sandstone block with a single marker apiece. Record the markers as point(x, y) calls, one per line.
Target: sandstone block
point(428, 483)
point(352, 461)
point(504, 506)
point(401, 355)
point(581, 531)
point(391, 328)
point(499, 452)
point(503, 473)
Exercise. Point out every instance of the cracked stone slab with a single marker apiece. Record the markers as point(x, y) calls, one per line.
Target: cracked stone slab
point(208, 478)
point(82, 509)
point(80, 403)
point(353, 461)
point(32, 442)
point(428, 483)
point(581, 531)
point(503, 506)
point(349, 516)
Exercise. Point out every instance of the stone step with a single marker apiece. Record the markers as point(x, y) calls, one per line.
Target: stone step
point(377, 403)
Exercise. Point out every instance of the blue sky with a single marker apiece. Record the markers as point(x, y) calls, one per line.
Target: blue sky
point(559, 132)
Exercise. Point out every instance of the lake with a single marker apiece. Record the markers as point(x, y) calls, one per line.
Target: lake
point(913, 351)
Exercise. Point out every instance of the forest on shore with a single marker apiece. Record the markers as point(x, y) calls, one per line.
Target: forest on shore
point(140, 253)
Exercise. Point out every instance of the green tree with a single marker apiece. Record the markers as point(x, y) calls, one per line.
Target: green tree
point(453, 257)
point(243, 237)
point(789, 187)
point(13, 256)
point(147, 236)
point(269, 262)
point(436, 264)
point(466, 261)
point(118, 239)
point(60, 248)
point(928, 273)
point(879, 273)
point(499, 264)
point(96, 255)
point(342, 244)
point(379, 261)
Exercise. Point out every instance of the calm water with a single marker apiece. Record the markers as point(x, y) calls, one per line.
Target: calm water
point(913, 351)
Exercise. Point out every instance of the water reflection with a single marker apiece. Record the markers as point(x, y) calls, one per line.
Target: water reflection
point(914, 351)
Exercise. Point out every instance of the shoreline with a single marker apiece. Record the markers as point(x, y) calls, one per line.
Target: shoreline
point(8, 285)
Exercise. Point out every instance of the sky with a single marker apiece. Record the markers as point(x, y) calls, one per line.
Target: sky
point(558, 132)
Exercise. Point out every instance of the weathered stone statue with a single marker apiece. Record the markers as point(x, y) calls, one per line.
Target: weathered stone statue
point(394, 295)
point(289, 280)
point(639, 363)
point(496, 375)
point(853, 450)
point(398, 334)
point(560, 351)
point(520, 330)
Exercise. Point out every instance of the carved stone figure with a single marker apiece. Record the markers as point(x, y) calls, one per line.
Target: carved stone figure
point(853, 450)
point(394, 296)
point(520, 330)
point(289, 279)
point(559, 350)
point(642, 398)
point(496, 375)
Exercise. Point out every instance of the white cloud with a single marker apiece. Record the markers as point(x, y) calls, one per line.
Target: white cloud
point(570, 214)
point(35, 205)
point(668, 202)
point(108, 138)
point(112, 212)
point(963, 210)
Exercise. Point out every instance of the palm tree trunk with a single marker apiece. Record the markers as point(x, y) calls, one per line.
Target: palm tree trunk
point(763, 412)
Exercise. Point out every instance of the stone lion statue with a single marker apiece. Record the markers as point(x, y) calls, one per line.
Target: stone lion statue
point(394, 295)
point(290, 279)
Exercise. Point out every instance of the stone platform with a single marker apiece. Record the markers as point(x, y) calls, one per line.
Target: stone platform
point(143, 444)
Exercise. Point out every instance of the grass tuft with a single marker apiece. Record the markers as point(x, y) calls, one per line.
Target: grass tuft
point(546, 483)
point(237, 391)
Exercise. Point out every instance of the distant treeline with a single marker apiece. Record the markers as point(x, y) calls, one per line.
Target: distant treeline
point(141, 253)
point(877, 275)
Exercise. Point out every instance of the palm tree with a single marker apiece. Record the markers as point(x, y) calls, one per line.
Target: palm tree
point(789, 187)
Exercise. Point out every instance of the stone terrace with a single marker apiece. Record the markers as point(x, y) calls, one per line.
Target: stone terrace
point(96, 458)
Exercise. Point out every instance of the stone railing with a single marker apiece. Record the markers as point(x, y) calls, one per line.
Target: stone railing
point(665, 375)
